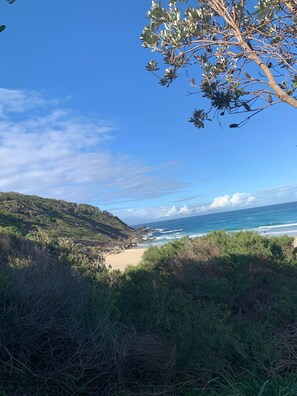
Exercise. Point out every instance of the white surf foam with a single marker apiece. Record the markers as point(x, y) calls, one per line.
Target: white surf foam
point(277, 226)
point(171, 231)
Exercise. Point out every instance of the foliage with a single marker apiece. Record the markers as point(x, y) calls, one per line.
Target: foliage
point(3, 27)
point(245, 55)
point(222, 302)
point(87, 260)
point(208, 316)
point(10, 230)
point(63, 341)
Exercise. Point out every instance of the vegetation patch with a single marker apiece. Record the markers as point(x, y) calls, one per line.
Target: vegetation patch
point(206, 316)
point(29, 215)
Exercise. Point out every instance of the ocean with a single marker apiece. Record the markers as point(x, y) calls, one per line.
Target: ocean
point(278, 219)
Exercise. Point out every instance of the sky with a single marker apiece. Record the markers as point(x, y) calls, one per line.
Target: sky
point(82, 120)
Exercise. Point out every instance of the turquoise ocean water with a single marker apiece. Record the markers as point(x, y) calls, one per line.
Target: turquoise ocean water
point(267, 220)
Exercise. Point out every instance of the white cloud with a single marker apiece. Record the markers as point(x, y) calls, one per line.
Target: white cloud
point(221, 203)
point(278, 194)
point(185, 210)
point(172, 211)
point(18, 101)
point(154, 213)
point(230, 201)
point(57, 153)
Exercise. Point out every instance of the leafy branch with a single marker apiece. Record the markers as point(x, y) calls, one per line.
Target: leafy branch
point(245, 58)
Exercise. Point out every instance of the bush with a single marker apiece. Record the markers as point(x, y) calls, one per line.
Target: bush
point(56, 334)
point(218, 300)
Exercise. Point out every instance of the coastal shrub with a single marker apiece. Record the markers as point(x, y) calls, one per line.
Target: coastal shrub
point(87, 260)
point(154, 256)
point(208, 316)
point(39, 235)
point(10, 230)
point(280, 249)
point(14, 248)
point(57, 337)
point(219, 300)
point(39, 247)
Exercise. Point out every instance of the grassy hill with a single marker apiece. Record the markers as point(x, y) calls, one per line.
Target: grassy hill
point(84, 224)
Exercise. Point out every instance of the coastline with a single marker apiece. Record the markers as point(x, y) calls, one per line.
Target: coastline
point(119, 261)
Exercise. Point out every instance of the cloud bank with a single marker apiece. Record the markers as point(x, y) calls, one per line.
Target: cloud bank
point(54, 152)
point(221, 203)
point(155, 213)
point(231, 201)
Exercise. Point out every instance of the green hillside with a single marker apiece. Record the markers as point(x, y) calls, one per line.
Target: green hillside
point(83, 223)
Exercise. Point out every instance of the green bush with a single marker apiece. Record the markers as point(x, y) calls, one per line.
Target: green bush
point(218, 300)
point(10, 230)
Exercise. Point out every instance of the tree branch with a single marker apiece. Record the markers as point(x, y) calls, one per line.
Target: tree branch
point(222, 9)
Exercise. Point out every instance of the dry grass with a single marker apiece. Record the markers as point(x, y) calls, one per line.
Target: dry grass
point(287, 348)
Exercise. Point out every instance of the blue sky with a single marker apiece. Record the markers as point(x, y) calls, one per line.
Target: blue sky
point(82, 120)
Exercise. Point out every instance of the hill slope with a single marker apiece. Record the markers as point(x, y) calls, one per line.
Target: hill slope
point(83, 223)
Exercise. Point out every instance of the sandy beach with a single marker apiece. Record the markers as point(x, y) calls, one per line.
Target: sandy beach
point(121, 260)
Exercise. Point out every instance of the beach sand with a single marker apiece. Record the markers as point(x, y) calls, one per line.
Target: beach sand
point(121, 260)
